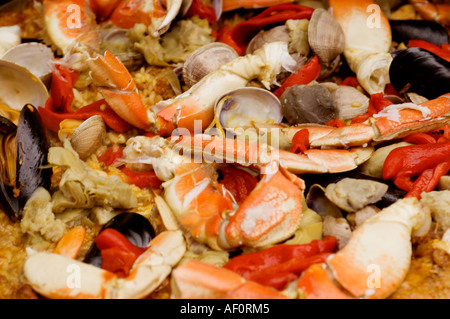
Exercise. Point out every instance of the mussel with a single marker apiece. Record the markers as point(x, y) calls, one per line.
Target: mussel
point(136, 228)
point(28, 161)
point(420, 71)
point(430, 31)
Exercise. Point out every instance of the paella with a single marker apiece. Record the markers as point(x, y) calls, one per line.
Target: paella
point(210, 149)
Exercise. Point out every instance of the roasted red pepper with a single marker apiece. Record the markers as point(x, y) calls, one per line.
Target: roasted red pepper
point(377, 103)
point(336, 123)
point(428, 180)
point(239, 36)
point(350, 81)
point(143, 179)
point(280, 264)
point(420, 138)
point(238, 182)
point(203, 11)
point(111, 154)
point(51, 118)
point(439, 51)
point(309, 72)
point(117, 252)
point(300, 141)
point(63, 80)
point(404, 163)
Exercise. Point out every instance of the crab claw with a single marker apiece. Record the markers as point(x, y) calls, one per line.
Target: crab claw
point(367, 41)
point(157, 15)
point(56, 276)
point(198, 280)
point(119, 89)
point(69, 22)
point(270, 213)
point(376, 259)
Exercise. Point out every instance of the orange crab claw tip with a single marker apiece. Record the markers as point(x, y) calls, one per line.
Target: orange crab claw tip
point(195, 279)
point(129, 107)
point(70, 244)
point(315, 283)
point(253, 290)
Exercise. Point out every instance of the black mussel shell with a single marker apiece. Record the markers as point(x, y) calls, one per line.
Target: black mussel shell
point(135, 227)
point(430, 31)
point(392, 195)
point(32, 151)
point(420, 71)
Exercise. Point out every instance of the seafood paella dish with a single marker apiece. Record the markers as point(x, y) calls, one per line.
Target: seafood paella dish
point(212, 149)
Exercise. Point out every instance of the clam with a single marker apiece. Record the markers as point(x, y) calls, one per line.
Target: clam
point(88, 137)
point(240, 108)
point(20, 87)
point(9, 37)
point(308, 104)
point(325, 36)
point(205, 60)
point(116, 41)
point(350, 102)
point(35, 57)
point(279, 33)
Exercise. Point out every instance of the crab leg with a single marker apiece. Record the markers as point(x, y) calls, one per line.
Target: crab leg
point(196, 104)
point(367, 41)
point(376, 259)
point(57, 276)
point(430, 11)
point(219, 149)
point(395, 122)
point(197, 280)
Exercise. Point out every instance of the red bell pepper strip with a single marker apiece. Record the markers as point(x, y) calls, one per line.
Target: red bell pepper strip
point(51, 118)
point(300, 141)
point(428, 180)
point(336, 123)
point(350, 81)
point(248, 264)
point(238, 182)
point(63, 81)
point(377, 103)
point(419, 138)
point(309, 72)
point(240, 35)
point(117, 252)
point(198, 8)
point(444, 54)
point(442, 134)
point(403, 163)
point(111, 155)
point(278, 276)
point(143, 179)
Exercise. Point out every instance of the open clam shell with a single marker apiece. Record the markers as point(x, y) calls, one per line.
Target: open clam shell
point(19, 87)
point(239, 109)
point(35, 57)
